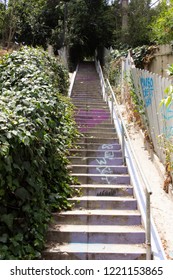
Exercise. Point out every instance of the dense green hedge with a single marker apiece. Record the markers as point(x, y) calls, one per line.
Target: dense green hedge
point(36, 130)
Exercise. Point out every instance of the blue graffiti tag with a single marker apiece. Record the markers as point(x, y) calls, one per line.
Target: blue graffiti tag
point(168, 131)
point(167, 112)
point(147, 85)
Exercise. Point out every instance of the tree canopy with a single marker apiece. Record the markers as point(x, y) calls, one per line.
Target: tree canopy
point(138, 23)
point(162, 24)
point(89, 25)
point(78, 23)
point(84, 25)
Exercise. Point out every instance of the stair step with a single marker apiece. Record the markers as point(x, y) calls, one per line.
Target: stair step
point(101, 110)
point(88, 95)
point(91, 120)
point(104, 190)
point(102, 135)
point(102, 178)
point(92, 79)
point(96, 119)
point(87, 107)
point(85, 251)
point(98, 217)
point(89, 124)
point(95, 129)
point(93, 160)
point(108, 154)
point(83, 101)
point(98, 146)
point(93, 114)
point(86, 92)
point(96, 140)
point(81, 88)
point(96, 234)
point(104, 202)
point(98, 169)
point(81, 95)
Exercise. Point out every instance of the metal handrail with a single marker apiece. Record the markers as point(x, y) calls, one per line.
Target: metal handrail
point(125, 134)
point(72, 81)
point(102, 80)
point(146, 184)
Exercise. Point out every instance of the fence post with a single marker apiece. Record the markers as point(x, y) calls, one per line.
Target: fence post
point(123, 142)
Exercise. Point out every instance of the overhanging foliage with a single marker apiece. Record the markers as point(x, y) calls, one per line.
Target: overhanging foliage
point(36, 129)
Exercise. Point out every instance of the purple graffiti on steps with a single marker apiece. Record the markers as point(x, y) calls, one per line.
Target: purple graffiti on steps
point(93, 118)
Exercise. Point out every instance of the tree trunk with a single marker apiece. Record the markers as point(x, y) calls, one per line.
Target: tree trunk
point(124, 19)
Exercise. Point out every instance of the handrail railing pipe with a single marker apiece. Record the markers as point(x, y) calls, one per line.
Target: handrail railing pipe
point(102, 80)
point(124, 133)
point(124, 137)
point(106, 94)
point(72, 81)
point(154, 246)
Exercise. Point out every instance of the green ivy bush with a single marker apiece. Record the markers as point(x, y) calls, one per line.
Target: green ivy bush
point(36, 130)
point(142, 56)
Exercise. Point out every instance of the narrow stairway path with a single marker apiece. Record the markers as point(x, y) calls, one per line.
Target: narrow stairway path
point(105, 222)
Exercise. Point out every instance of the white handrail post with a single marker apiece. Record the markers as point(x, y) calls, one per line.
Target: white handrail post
point(123, 142)
point(148, 226)
point(112, 109)
point(122, 79)
point(106, 93)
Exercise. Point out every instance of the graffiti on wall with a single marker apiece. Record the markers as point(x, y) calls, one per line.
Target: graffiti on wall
point(147, 85)
point(168, 131)
point(167, 115)
point(167, 112)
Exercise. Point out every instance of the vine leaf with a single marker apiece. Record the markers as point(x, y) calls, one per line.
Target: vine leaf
point(8, 220)
point(22, 193)
point(4, 238)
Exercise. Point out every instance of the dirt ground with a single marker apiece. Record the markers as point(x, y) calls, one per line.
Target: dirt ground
point(154, 171)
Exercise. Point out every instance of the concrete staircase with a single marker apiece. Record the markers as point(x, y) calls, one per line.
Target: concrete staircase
point(105, 222)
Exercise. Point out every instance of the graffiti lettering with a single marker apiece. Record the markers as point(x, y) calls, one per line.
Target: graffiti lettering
point(101, 161)
point(109, 180)
point(168, 131)
point(107, 193)
point(108, 156)
point(147, 85)
point(107, 146)
point(105, 170)
point(167, 112)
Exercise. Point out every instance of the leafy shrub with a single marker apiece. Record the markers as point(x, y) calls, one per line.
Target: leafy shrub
point(161, 27)
point(142, 55)
point(36, 130)
point(168, 98)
